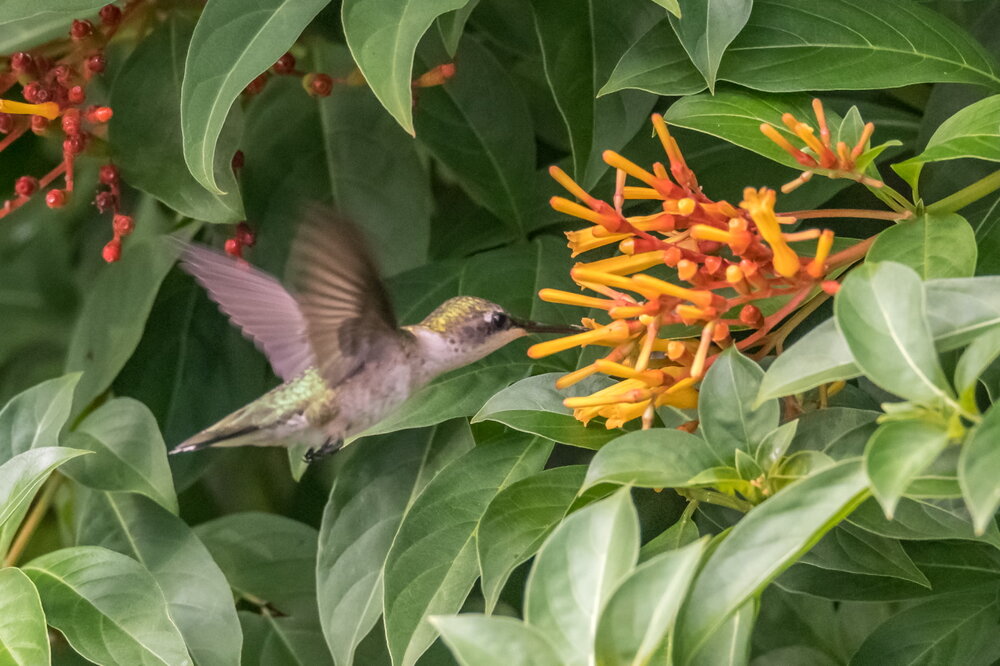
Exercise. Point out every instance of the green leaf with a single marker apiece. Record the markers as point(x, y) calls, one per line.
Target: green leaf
point(131, 455)
point(108, 607)
point(534, 405)
point(921, 520)
point(383, 37)
point(519, 519)
point(729, 420)
point(852, 549)
point(897, 453)
point(268, 557)
point(114, 313)
point(23, 636)
point(656, 63)
point(706, 29)
point(198, 597)
point(775, 533)
point(958, 628)
point(375, 486)
point(881, 311)
point(960, 309)
point(151, 154)
point(432, 563)
point(935, 246)
point(790, 45)
point(774, 446)
point(819, 357)
point(680, 534)
point(978, 468)
point(672, 6)
point(451, 26)
point(270, 640)
point(23, 34)
point(581, 42)
point(230, 46)
point(972, 132)
point(654, 458)
point(480, 640)
point(840, 432)
point(729, 645)
point(973, 362)
point(576, 572)
point(18, 10)
point(20, 479)
point(482, 134)
point(35, 417)
point(642, 610)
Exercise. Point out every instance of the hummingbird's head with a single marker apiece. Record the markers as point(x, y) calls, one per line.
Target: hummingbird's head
point(466, 328)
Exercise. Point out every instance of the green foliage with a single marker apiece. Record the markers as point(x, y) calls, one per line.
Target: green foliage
point(832, 500)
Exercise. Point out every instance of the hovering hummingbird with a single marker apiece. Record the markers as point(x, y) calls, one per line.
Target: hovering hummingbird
point(336, 344)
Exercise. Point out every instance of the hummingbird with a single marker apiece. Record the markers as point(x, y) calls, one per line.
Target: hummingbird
point(334, 341)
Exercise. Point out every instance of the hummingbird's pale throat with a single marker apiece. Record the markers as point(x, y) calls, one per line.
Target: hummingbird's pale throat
point(344, 361)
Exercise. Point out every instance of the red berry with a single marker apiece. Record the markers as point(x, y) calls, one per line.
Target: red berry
point(6, 123)
point(96, 63)
point(35, 93)
point(255, 86)
point(123, 225)
point(112, 252)
point(244, 235)
point(109, 174)
point(238, 160)
point(81, 29)
point(25, 186)
point(76, 95)
point(110, 15)
point(105, 201)
point(21, 62)
point(55, 199)
point(320, 84)
point(285, 64)
point(99, 114)
point(233, 248)
point(39, 124)
point(71, 121)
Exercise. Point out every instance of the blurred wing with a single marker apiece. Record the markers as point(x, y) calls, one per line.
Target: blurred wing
point(258, 304)
point(344, 301)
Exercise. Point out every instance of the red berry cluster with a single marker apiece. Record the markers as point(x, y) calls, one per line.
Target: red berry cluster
point(245, 237)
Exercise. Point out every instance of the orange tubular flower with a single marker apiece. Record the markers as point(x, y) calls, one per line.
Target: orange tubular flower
point(690, 261)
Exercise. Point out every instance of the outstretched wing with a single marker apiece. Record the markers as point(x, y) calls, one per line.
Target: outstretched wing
point(344, 301)
point(258, 304)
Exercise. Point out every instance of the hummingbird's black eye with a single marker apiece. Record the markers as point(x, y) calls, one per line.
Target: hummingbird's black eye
point(499, 321)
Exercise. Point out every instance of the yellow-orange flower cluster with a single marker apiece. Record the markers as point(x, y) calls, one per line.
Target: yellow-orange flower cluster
point(716, 260)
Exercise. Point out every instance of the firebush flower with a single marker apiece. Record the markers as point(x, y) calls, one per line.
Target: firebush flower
point(720, 267)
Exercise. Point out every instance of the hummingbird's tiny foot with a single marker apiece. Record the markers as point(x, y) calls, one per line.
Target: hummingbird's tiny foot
point(329, 446)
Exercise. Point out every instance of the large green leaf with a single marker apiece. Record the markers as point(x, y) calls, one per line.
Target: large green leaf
point(269, 640)
point(24, 640)
point(35, 417)
point(654, 458)
point(790, 45)
point(432, 563)
point(852, 549)
point(383, 37)
point(483, 134)
point(818, 357)
point(956, 628)
point(764, 543)
point(198, 597)
point(935, 246)
point(897, 453)
point(581, 42)
point(973, 362)
point(20, 479)
point(374, 488)
point(576, 572)
point(151, 154)
point(230, 46)
point(840, 432)
point(730, 421)
point(480, 640)
point(267, 557)
point(17, 10)
point(534, 405)
point(881, 311)
point(131, 455)
point(921, 520)
point(656, 63)
point(519, 519)
point(706, 28)
point(729, 645)
point(643, 608)
point(978, 467)
point(108, 607)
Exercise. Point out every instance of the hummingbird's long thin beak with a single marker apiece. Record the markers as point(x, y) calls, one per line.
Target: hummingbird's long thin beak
point(537, 327)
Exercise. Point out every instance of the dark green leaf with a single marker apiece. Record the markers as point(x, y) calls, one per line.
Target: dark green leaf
point(35, 417)
point(576, 572)
point(230, 46)
point(979, 469)
point(897, 453)
point(130, 453)
point(654, 458)
point(23, 636)
point(681, 533)
point(921, 520)
point(852, 549)
point(707, 28)
point(519, 519)
point(642, 610)
point(841, 432)
point(729, 419)
point(452, 25)
point(777, 533)
point(108, 607)
point(656, 63)
point(23, 34)
point(375, 486)
point(270, 640)
point(935, 246)
point(480, 640)
point(198, 598)
point(17, 10)
point(432, 563)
